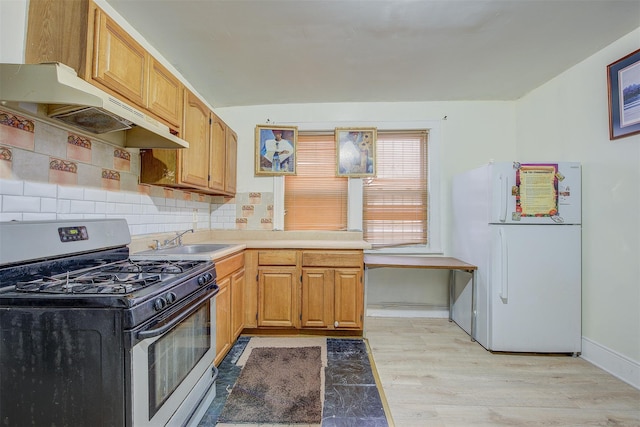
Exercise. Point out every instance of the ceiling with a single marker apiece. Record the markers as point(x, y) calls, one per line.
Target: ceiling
point(253, 52)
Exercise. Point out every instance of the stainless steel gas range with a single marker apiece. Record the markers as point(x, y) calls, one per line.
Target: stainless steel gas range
point(91, 337)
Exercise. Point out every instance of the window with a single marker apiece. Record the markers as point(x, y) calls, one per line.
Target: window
point(315, 199)
point(397, 211)
point(395, 201)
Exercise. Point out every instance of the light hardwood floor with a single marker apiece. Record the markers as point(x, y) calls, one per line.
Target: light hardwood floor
point(434, 375)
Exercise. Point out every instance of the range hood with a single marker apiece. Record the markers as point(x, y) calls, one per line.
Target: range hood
point(73, 101)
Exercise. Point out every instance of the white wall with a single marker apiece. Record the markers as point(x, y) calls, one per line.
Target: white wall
point(472, 134)
point(13, 16)
point(567, 119)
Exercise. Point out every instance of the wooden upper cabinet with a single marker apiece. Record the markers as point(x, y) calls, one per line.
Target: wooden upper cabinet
point(232, 162)
point(82, 36)
point(119, 62)
point(207, 166)
point(165, 94)
point(60, 31)
point(218, 153)
point(194, 161)
point(224, 148)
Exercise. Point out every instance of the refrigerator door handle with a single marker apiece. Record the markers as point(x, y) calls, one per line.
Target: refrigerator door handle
point(504, 278)
point(503, 198)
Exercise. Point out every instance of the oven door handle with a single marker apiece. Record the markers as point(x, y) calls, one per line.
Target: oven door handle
point(150, 333)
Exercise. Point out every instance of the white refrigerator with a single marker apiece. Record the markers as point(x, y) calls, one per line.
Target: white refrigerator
point(520, 223)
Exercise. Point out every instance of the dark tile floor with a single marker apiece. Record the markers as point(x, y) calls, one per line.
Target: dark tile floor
point(351, 397)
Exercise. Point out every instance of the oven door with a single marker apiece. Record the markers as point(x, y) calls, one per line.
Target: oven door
point(172, 362)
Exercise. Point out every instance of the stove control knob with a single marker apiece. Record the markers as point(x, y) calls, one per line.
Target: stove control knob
point(159, 304)
point(171, 298)
point(204, 279)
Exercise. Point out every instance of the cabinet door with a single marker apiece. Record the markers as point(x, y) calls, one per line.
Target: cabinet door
point(232, 160)
point(277, 302)
point(61, 31)
point(218, 153)
point(119, 62)
point(223, 319)
point(317, 298)
point(349, 298)
point(165, 97)
point(195, 159)
point(237, 303)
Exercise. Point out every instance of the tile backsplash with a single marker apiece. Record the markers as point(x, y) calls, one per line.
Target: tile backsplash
point(48, 172)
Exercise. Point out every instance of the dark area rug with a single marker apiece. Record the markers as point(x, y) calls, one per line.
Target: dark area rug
point(277, 385)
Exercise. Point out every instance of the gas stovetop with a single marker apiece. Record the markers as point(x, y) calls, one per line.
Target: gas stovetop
point(85, 264)
point(143, 288)
point(122, 277)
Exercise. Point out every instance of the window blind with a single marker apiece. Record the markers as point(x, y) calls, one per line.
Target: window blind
point(395, 201)
point(314, 198)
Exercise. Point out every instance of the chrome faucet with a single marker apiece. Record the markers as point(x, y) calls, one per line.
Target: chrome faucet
point(176, 241)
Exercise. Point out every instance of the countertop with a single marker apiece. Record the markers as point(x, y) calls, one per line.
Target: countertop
point(244, 239)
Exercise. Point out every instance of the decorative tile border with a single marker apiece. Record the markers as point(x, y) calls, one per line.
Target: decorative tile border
point(255, 198)
point(110, 179)
point(6, 156)
point(18, 122)
point(6, 153)
point(17, 131)
point(63, 172)
point(91, 164)
point(121, 159)
point(78, 148)
point(247, 211)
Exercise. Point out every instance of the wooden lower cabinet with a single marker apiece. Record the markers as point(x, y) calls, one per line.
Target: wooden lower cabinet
point(277, 297)
point(223, 320)
point(237, 303)
point(307, 289)
point(348, 291)
point(332, 298)
point(229, 303)
point(317, 298)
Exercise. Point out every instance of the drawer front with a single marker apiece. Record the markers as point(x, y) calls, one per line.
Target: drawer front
point(332, 259)
point(230, 264)
point(277, 257)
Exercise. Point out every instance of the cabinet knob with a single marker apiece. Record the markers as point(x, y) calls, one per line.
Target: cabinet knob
point(335, 324)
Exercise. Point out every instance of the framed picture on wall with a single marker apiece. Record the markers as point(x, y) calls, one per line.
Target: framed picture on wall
point(356, 151)
point(623, 79)
point(275, 150)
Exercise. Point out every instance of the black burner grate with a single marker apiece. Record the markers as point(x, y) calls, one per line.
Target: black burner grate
point(117, 278)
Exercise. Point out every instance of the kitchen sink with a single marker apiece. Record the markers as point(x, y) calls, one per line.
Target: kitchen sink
point(193, 249)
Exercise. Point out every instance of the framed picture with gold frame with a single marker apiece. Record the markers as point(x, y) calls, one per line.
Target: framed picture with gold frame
point(356, 151)
point(275, 150)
